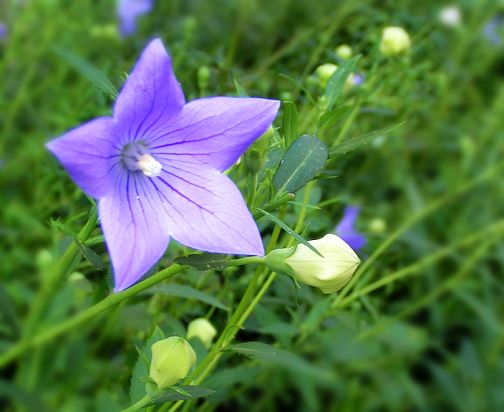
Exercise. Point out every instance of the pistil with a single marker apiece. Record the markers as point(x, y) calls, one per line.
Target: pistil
point(138, 157)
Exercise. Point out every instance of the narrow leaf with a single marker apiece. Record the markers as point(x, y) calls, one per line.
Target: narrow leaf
point(241, 91)
point(176, 395)
point(95, 76)
point(184, 291)
point(268, 353)
point(302, 161)
point(301, 87)
point(329, 118)
point(336, 82)
point(8, 310)
point(290, 123)
point(143, 356)
point(355, 142)
point(291, 232)
point(204, 261)
point(91, 256)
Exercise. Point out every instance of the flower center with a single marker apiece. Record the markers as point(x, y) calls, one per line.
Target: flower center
point(137, 156)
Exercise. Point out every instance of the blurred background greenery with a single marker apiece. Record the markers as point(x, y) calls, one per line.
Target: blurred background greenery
point(429, 341)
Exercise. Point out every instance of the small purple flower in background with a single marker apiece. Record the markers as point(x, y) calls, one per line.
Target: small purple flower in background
point(3, 30)
point(345, 229)
point(358, 79)
point(490, 30)
point(128, 11)
point(156, 165)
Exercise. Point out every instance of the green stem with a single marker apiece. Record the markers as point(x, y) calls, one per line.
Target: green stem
point(252, 190)
point(409, 223)
point(246, 261)
point(446, 285)
point(51, 285)
point(139, 405)
point(274, 205)
point(105, 304)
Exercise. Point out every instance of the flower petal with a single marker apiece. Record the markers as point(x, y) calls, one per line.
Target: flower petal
point(134, 227)
point(151, 96)
point(347, 222)
point(216, 130)
point(86, 153)
point(207, 211)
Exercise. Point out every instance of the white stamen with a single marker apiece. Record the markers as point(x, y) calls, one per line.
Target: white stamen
point(149, 166)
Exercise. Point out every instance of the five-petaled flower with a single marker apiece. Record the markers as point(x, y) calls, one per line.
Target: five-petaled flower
point(346, 231)
point(156, 165)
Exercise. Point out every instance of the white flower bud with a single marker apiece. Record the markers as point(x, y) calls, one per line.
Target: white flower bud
point(325, 71)
point(172, 359)
point(344, 52)
point(450, 16)
point(202, 329)
point(377, 225)
point(394, 41)
point(329, 273)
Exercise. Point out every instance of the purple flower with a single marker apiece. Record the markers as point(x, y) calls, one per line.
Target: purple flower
point(156, 165)
point(345, 229)
point(358, 79)
point(3, 30)
point(128, 11)
point(490, 30)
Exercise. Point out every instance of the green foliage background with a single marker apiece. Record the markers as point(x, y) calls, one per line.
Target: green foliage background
point(428, 338)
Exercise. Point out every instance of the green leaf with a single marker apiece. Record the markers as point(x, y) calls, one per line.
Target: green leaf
point(95, 76)
point(302, 161)
point(329, 118)
point(204, 261)
point(176, 395)
point(317, 312)
point(241, 91)
point(143, 356)
point(290, 123)
point(336, 82)
point(184, 291)
point(291, 232)
point(307, 94)
point(91, 256)
point(355, 142)
point(8, 310)
point(279, 328)
point(137, 389)
point(29, 400)
point(268, 353)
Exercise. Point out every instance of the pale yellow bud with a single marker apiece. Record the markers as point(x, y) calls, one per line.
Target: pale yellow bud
point(394, 41)
point(329, 273)
point(202, 329)
point(172, 359)
point(377, 225)
point(450, 16)
point(325, 71)
point(344, 52)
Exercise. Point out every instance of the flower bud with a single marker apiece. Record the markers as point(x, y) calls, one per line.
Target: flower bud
point(344, 52)
point(202, 329)
point(325, 71)
point(377, 225)
point(450, 16)
point(394, 41)
point(329, 273)
point(255, 156)
point(171, 360)
point(203, 76)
